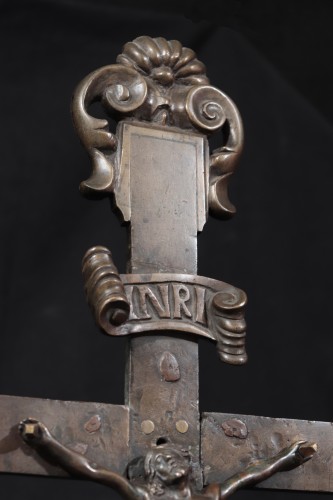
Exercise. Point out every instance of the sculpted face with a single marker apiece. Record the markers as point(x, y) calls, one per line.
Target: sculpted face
point(168, 465)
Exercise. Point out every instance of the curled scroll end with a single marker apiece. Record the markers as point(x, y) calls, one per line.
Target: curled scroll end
point(228, 302)
point(100, 182)
point(231, 359)
point(210, 109)
point(218, 199)
point(223, 163)
point(229, 325)
point(205, 107)
point(127, 92)
point(104, 289)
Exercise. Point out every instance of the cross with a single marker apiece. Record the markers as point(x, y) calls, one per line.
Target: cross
point(163, 180)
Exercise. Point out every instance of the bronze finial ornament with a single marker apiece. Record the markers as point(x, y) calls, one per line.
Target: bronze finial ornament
point(163, 83)
point(163, 180)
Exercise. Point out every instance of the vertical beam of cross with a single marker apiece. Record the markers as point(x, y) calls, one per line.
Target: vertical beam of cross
point(167, 197)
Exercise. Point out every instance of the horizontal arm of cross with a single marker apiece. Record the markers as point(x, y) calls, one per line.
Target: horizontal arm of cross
point(98, 431)
point(231, 442)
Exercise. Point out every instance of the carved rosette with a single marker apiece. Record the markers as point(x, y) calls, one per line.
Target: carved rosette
point(159, 82)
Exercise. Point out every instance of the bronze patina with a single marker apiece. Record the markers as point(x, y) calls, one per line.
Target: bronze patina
point(164, 472)
point(163, 181)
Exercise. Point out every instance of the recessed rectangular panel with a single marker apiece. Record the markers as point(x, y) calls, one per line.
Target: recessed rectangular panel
point(162, 190)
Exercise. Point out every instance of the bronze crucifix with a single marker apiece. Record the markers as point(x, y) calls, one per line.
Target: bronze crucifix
point(163, 181)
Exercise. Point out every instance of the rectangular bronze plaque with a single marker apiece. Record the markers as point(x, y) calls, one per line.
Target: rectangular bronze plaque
point(168, 207)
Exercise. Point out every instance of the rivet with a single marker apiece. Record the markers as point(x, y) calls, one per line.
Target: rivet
point(147, 426)
point(169, 367)
point(235, 428)
point(182, 426)
point(93, 424)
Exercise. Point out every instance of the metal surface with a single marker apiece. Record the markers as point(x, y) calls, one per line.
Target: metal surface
point(164, 225)
point(97, 430)
point(153, 398)
point(223, 454)
point(104, 289)
point(163, 238)
point(164, 472)
point(157, 166)
point(163, 180)
point(157, 81)
point(129, 304)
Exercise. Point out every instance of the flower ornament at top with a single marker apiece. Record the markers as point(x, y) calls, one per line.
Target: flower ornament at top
point(164, 61)
point(169, 70)
point(162, 83)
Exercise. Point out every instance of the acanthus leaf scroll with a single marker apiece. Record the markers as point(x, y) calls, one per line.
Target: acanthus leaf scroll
point(120, 89)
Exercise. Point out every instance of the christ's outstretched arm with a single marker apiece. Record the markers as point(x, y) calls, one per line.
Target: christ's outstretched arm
point(288, 458)
point(39, 437)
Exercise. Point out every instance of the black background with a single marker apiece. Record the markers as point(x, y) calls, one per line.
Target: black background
point(274, 60)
